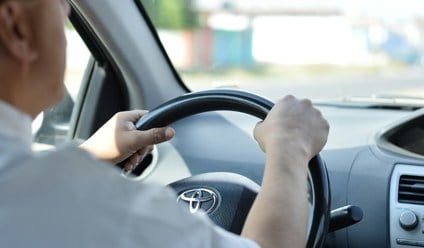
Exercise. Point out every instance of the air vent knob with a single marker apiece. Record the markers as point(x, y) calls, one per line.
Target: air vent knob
point(408, 220)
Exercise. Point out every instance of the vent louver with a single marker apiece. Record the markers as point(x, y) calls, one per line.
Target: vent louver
point(411, 189)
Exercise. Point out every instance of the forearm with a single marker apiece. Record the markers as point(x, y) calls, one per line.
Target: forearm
point(278, 217)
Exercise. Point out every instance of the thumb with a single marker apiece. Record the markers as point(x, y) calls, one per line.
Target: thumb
point(154, 136)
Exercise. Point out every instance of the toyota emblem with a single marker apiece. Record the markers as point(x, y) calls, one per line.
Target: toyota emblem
point(200, 198)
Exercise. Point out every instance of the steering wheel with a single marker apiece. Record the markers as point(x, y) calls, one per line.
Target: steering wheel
point(227, 197)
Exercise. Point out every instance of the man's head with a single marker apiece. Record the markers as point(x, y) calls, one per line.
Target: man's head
point(32, 53)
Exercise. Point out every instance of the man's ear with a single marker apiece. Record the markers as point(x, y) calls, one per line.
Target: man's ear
point(15, 31)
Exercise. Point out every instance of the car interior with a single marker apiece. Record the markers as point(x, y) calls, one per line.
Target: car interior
point(367, 185)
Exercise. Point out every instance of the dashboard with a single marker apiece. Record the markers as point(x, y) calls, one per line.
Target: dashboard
point(367, 157)
point(381, 172)
point(406, 138)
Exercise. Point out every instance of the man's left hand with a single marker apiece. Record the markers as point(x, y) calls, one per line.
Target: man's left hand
point(118, 139)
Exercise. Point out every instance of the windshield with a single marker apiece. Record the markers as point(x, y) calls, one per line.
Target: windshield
point(328, 49)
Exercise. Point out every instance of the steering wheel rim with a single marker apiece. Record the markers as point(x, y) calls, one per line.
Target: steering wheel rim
point(245, 102)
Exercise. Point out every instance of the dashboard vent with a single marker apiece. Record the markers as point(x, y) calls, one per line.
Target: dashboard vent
point(411, 189)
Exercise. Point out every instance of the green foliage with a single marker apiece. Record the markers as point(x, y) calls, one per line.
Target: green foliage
point(172, 14)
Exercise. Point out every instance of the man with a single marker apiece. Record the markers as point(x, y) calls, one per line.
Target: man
point(66, 198)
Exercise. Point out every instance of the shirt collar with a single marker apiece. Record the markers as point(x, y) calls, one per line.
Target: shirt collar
point(15, 124)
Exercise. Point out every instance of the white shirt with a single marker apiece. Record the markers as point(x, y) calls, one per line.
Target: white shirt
point(66, 198)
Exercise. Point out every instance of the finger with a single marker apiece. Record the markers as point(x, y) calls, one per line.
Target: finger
point(145, 150)
point(153, 136)
point(132, 162)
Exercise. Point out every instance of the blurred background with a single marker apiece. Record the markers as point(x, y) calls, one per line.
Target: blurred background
point(240, 43)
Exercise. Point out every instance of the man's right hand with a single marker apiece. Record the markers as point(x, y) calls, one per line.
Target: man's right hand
point(292, 133)
point(293, 122)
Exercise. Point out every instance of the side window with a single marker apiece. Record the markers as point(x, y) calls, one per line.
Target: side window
point(51, 127)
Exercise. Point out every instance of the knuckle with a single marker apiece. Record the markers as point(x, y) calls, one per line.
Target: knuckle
point(286, 98)
point(138, 113)
point(118, 115)
point(306, 102)
point(289, 97)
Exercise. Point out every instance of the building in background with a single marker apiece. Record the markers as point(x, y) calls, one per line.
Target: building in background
point(289, 32)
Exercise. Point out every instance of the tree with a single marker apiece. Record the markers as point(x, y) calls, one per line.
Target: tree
point(172, 14)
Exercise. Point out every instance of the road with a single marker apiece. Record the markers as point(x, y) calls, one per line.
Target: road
point(408, 82)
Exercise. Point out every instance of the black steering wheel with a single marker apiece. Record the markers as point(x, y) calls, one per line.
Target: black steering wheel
point(227, 197)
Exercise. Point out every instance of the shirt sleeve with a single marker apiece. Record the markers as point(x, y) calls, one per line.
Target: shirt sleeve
point(66, 198)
